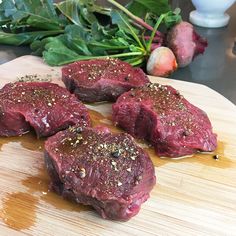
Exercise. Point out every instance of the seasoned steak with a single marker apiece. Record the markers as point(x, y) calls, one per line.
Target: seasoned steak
point(101, 79)
point(166, 119)
point(95, 167)
point(44, 106)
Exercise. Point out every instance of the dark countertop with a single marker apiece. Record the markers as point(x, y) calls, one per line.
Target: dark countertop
point(216, 68)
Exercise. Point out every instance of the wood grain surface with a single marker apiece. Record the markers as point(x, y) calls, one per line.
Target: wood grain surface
point(193, 196)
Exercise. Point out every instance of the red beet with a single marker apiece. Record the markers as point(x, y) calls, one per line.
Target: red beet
point(186, 44)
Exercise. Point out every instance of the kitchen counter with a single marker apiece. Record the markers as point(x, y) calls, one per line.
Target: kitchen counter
point(216, 68)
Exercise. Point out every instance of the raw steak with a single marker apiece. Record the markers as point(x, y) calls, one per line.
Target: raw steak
point(165, 118)
point(44, 106)
point(95, 167)
point(101, 79)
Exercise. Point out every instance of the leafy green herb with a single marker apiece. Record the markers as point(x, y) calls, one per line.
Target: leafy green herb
point(80, 29)
point(38, 14)
point(172, 18)
point(70, 9)
point(25, 38)
point(123, 24)
point(142, 7)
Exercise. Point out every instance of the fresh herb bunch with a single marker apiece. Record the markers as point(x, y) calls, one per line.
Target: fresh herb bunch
point(75, 30)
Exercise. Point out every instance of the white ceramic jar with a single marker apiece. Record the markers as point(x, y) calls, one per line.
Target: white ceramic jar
point(210, 13)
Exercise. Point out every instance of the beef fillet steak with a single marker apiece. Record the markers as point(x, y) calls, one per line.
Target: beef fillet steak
point(101, 79)
point(95, 167)
point(44, 106)
point(166, 119)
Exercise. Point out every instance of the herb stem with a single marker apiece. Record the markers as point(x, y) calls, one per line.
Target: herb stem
point(138, 62)
point(160, 19)
point(132, 31)
point(127, 54)
point(108, 46)
point(135, 18)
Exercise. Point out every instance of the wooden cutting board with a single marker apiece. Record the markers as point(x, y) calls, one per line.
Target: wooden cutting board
point(193, 196)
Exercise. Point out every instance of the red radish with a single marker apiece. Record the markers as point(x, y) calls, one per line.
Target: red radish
point(183, 40)
point(162, 62)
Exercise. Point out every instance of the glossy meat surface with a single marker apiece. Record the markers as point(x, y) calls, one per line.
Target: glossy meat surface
point(162, 116)
point(46, 107)
point(101, 79)
point(95, 167)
